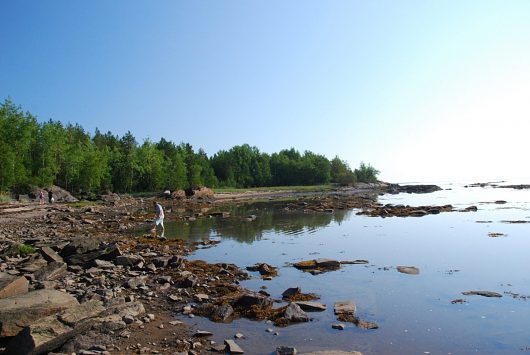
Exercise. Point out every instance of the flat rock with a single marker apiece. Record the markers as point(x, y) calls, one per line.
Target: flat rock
point(232, 347)
point(310, 306)
point(11, 286)
point(344, 307)
point(53, 271)
point(49, 333)
point(80, 245)
point(482, 293)
point(129, 260)
point(22, 310)
point(50, 255)
point(410, 270)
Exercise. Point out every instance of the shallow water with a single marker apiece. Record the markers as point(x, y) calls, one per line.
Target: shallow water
point(414, 312)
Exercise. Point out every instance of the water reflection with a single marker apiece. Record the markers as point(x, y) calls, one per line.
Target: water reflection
point(270, 217)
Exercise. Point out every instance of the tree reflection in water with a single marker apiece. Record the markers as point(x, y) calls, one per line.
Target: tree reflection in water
point(271, 217)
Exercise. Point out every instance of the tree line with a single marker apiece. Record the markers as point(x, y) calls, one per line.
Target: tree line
point(47, 153)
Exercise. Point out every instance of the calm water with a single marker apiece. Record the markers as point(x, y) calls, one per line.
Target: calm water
point(414, 312)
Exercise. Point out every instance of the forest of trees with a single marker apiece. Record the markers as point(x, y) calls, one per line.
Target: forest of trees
point(42, 154)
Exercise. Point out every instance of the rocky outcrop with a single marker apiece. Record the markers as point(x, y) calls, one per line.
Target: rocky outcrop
point(412, 189)
point(20, 311)
point(317, 266)
point(49, 333)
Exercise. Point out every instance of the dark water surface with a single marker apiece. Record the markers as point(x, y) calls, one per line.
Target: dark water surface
point(414, 312)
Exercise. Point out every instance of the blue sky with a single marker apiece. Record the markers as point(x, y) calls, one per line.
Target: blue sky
point(422, 90)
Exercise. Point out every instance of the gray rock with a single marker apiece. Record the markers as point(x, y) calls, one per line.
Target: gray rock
point(338, 326)
point(161, 261)
point(22, 310)
point(310, 306)
point(135, 282)
point(129, 260)
point(482, 293)
point(80, 245)
point(109, 253)
point(11, 286)
point(345, 307)
point(286, 350)
point(222, 313)
point(49, 333)
point(50, 255)
point(251, 298)
point(232, 347)
point(293, 313)
point(290, 292)
point(51, 272)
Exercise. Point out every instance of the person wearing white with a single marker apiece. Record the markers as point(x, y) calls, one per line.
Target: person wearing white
point(159, 218)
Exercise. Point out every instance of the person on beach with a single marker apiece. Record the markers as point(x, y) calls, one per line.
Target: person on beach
point(41, 197)
point(159, 218)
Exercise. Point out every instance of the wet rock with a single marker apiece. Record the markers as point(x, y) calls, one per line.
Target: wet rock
point(252, 299)
point(417, 189)
point(470, 209)
point(310, 306)
point(410, 270)
point(264, 269)
point(202, 333)
point(53, 271)
point(458, 301)
point(482, 293)
point(222, 313)
point(22, 310)
point(293, 313)
point(11, 286)
point(291, 292)
point(390, 210)
point(232, 347)
point(319, 265)
point(338, 326)
point(354, 262)
point(344, 307)
point(50, 255)
point(286, 350)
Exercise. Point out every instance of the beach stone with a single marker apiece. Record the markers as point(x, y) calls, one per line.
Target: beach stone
point(51, 272)
point(410, 270)
point(108, 254)
point(290, 292)
point(49, 333)
point(344, 307)
point(222, 313)
point(482, 293)
point(293, 313)
point(338, 326)
point(232, 347)
point(311, 306)
point(161, 261)
point(80, 245)
point(17, 312)
point(129, 260)
point(286, 350)
point(250, 299)
point(11, 286)
point(50, 255)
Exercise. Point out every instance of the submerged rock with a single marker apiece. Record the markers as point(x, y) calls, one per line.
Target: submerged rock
point(482, 293)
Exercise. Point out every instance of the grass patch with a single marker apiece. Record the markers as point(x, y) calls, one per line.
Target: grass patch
point(5, 197)
point(25, 249)
point(275, 188)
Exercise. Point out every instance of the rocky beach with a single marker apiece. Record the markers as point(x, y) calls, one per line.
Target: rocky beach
point(77, 277)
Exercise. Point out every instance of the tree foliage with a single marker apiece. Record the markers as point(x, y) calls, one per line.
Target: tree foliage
point(47, 153)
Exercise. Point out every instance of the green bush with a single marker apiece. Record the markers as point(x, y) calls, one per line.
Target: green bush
point(366, 173)
point(5, 197)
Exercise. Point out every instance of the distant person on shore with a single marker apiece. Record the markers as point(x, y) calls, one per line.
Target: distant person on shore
point(50, 196)
point(41, 197)
point(159, 218)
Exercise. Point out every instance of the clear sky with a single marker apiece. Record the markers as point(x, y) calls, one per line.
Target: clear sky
point(422, 90)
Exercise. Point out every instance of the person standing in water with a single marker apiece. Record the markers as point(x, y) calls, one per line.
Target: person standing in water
point(159, 218)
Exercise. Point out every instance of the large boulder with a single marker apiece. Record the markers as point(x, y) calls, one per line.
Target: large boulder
point(293, 313)
point(17, 312)
point(49, 333)
point(80, 245)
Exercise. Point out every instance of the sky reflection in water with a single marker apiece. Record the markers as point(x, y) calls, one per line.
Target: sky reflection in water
point(415, 314)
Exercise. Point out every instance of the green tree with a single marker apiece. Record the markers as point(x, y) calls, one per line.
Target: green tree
point(341, 172)
point(366, 173)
